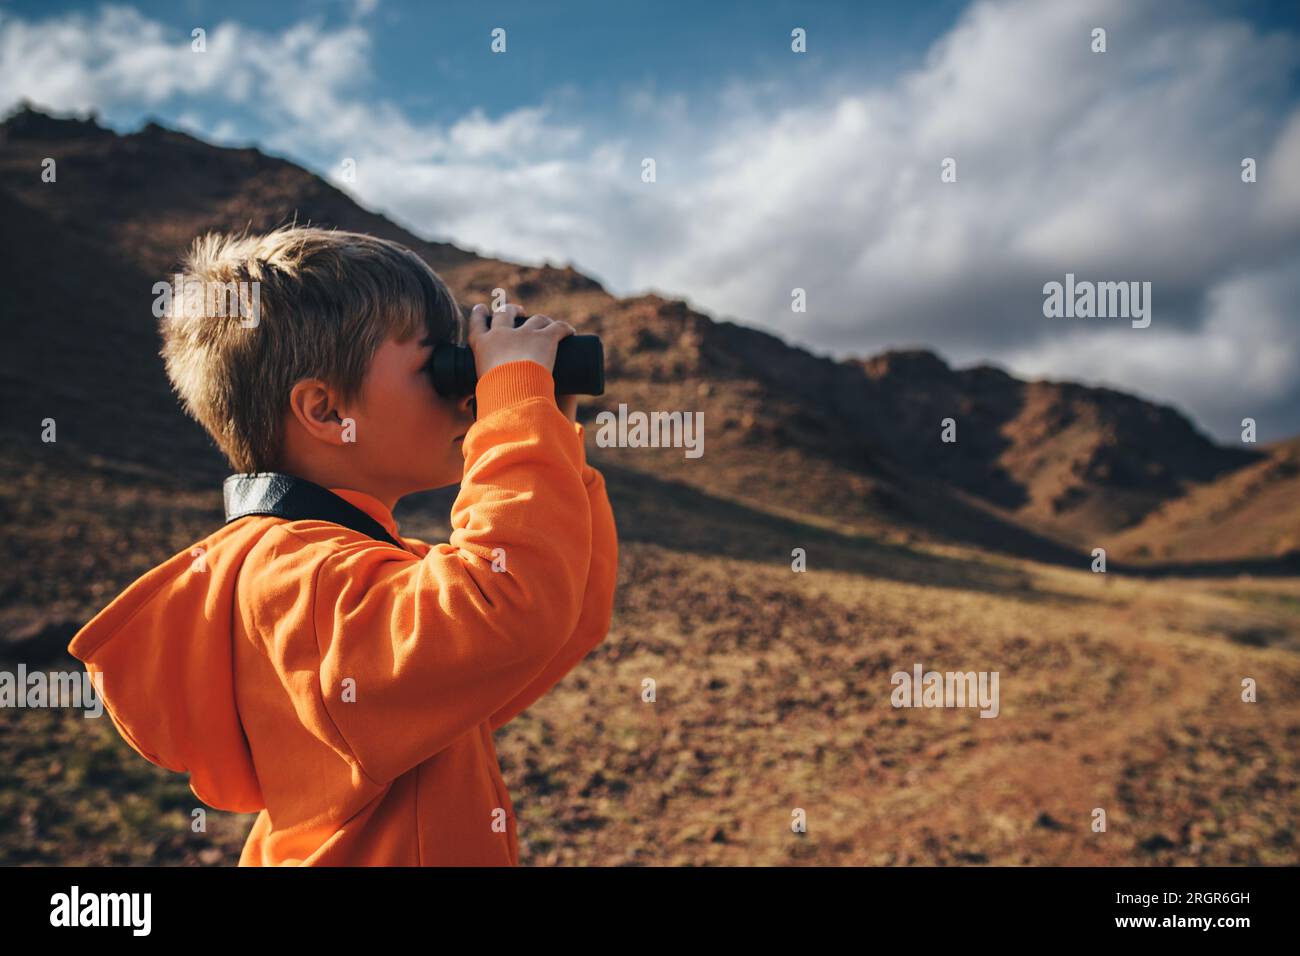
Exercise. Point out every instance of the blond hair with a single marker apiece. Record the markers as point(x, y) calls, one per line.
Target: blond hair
point(327, 301)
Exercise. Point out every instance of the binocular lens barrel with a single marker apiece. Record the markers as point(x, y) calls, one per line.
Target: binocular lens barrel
point(579, 366)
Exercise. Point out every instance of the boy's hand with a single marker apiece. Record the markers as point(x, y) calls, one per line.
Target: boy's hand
point(537, 339)
point(568, 405)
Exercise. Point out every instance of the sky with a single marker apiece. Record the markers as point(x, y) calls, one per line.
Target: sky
point(777, 170)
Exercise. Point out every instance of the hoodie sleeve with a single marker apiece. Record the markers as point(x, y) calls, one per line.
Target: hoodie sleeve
point(597, 603)
point(416, 652)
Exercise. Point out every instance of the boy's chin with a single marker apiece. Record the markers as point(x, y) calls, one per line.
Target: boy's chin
point(445, 480)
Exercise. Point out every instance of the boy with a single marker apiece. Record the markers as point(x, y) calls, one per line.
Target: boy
point(345, 685)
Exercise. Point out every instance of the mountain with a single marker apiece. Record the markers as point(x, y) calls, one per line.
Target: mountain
point(1041, 469)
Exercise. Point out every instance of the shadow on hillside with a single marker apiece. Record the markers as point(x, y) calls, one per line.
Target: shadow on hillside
point(683, 518)
point(936, 509)
point(1283, 566)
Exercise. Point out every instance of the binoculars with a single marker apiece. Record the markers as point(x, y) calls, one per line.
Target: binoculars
point(579, 366)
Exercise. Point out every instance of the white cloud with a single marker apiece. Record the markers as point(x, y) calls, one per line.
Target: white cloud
point(119, 57)
point(518, 135)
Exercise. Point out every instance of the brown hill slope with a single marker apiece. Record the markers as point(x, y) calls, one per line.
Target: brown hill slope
point(1250, 511)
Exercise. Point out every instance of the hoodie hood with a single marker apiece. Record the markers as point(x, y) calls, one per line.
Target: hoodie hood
point(162, 654)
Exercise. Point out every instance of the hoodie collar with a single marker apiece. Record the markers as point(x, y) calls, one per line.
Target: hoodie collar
point(371, 506)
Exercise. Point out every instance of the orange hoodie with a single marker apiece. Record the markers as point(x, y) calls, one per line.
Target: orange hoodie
point(345, 690)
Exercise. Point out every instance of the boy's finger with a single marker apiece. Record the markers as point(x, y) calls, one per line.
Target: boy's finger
point(477, 321)
point(507, 314)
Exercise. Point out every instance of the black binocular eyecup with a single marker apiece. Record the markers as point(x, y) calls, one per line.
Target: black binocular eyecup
point(579, 367)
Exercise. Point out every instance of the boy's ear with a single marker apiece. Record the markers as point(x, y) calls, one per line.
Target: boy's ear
point(313, 404)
